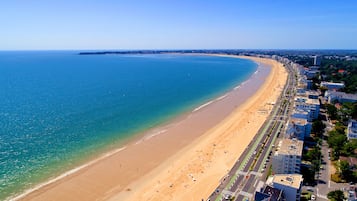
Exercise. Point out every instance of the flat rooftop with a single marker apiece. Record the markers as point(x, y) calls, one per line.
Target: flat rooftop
point(298, 121)
point(313, 101)
point(292, 180)
point(290, 147)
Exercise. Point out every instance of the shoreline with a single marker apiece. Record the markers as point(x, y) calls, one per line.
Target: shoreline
point(199, 167)
point(75, 176)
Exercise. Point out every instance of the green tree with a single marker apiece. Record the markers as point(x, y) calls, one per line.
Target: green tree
point(336, 195)
point(318, 127)
point(354, 111)
point(340, 128)
point(346, 173)
point(332, 111)
point(336, 141)
point(349, 148)
point(308, 175)
point(323, 89)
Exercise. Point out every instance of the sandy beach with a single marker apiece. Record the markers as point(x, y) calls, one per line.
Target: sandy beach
point(183, 160)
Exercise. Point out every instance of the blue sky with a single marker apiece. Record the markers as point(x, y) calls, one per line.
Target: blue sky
point(178, 24)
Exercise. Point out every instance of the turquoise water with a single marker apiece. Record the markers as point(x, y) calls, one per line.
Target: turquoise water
point(59, 108)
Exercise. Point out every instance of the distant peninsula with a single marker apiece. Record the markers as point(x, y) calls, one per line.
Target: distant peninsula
point(158, 52)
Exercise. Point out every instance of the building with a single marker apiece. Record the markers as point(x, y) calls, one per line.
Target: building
point(269, 193)
point(298, 128)
point(341, 97)
point(332, 85)
point(352, 129)
point(311, 73)
point(287, 159)
point(300, 91)
point(317, 60)
point(312, 94)
point(312, 106)
point(290, 184)
point(301, 114)
point(314, 68)
point(309, 84)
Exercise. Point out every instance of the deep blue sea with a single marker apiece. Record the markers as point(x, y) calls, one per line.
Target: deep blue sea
point(58, 108)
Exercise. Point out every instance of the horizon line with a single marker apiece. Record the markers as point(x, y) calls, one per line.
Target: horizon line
point(189, 49)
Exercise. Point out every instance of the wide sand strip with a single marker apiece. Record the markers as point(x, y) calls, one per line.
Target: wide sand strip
point(183, 160)
point(195, 172)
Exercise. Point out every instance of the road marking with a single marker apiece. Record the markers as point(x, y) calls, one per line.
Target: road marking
point(242, 173)
point(255, 183)
point(319, 195)
point(246, 194)
point(256, 173)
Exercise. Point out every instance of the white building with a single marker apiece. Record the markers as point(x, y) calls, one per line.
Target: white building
point(311, 73)
point(352, 129)
point(312, 94)
point(312, 106)
point(290, 184)
point(332, 85)
point(317, 60)
point(287, 159)
point(298, 128)
point(302, 82)
point(341, 97)
point(301, 114)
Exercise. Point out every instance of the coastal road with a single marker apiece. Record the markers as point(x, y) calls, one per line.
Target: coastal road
point(251, 168)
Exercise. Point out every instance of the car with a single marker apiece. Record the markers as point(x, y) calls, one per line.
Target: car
point(227, 197)
point(313, 197)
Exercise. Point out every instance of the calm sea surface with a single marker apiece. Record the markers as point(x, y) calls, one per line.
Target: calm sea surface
point(57, 109)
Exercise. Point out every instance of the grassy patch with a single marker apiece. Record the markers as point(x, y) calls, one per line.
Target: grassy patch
point(305, 195)
point(336, 178)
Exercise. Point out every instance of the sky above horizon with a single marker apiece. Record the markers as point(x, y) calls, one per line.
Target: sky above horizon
point(180, 24)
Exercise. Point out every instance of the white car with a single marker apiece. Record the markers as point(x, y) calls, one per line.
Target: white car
point(313, 197)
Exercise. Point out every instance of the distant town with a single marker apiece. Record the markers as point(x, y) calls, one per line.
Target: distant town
point(308, 148)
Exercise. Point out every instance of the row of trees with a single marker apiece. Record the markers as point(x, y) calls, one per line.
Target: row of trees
point(341, 146)
point(330, 68)
point(347, 111)
point(314, 155)
point(336, 195)
point(337, 140)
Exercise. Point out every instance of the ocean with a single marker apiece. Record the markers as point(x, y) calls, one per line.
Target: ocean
point(58, 109)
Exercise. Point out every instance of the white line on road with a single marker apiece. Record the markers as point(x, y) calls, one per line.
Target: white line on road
point(255, 183)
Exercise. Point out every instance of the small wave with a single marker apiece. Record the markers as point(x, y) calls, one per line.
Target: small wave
point(202, 106)
point(155, 134)
point(220, 98)
point(70, 172)
point(237, 87)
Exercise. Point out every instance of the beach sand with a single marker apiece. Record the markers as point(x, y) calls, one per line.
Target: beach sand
point(183, 160)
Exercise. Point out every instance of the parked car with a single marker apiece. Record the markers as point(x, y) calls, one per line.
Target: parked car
point(313, 197)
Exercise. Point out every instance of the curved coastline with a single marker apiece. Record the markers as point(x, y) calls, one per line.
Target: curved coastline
point(157, 141)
